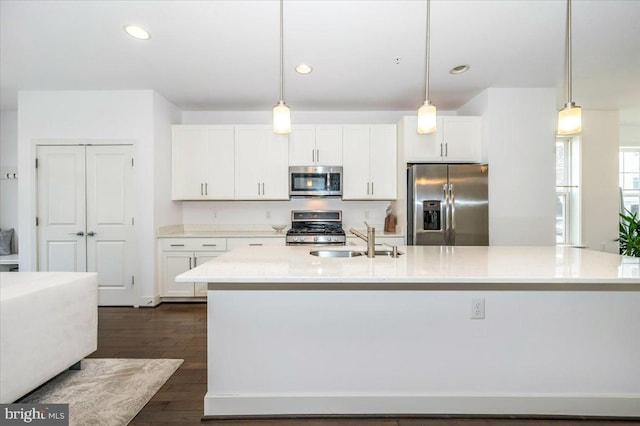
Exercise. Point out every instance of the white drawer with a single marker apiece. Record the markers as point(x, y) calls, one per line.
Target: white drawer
point(194, 244)
point(245, 242)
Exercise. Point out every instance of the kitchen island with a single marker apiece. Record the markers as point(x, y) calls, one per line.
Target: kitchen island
point(294, 334)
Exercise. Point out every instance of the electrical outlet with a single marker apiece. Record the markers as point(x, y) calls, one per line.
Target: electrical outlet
point(477, 308)
point(268, 214)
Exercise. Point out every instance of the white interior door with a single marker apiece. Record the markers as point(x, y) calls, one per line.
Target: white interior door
point(110, 250)
point(61, 208)
point(85, 215)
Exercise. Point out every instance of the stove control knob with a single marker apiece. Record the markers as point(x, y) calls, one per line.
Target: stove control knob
point(315, 239)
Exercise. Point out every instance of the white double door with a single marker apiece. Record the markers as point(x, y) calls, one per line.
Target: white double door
point(85, 215)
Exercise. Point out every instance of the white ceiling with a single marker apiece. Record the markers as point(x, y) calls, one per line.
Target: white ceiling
point(223, 55)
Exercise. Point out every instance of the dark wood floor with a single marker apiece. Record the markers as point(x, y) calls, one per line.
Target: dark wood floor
point(178, 330)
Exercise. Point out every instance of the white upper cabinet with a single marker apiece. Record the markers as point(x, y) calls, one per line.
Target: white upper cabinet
point(201, 166)
point(461, 138)
point(261, 164)
point(315, 146)
point(456, 139)
point(369, 160)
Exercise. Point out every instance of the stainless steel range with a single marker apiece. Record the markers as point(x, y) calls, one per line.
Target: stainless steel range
point(316, 227)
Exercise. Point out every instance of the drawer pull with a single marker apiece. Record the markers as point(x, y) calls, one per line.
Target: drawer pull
point(209, 245)
point(256, 244)
point(177, 245)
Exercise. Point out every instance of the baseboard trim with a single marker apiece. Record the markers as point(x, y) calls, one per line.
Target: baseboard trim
point(149, 302)
point(253, 406)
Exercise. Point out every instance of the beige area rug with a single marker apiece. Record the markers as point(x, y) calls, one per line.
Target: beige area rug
point(106, 392)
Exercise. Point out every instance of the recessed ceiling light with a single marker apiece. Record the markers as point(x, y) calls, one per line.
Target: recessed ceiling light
point(137, 32)
point(303, 69)
point(459, 69)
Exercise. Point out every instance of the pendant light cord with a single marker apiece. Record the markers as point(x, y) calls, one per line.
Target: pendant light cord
point(427, 64)
point(569, 58)
point(281, 52)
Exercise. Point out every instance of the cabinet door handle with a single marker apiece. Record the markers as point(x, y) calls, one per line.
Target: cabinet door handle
point(258, 188)
point(371, 188)
point(441, 150)
point(318, 155)
point(256, 244)
point(262, 188)
point(206, 188)
point(201, 188)
point(313, 155)
point(367, 188)
point(190, 262)
point(446, 149)
point(177, 245)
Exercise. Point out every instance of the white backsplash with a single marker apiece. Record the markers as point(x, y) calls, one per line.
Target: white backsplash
point(354, 213)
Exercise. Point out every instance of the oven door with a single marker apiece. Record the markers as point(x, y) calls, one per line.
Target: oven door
point(315, 181)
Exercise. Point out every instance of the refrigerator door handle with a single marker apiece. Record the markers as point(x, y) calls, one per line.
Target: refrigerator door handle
point(452, 198)
point(445, 218)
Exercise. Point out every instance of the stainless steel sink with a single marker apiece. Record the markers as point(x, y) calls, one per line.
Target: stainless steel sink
point(348, 253)
point(336, 253)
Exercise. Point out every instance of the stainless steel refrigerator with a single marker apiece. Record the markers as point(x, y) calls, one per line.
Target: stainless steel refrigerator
point(447, 204)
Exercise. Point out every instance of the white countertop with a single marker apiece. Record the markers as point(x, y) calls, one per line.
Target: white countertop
point(422, 267)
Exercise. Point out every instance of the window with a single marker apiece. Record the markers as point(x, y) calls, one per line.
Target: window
point(630, 178)
point(567, 191)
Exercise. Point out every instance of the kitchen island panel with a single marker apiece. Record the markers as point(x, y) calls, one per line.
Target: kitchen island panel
point(374, 352)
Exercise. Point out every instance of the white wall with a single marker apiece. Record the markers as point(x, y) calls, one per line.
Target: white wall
point(600, 195)
point(9, 163)
point(629, 135)
point(354, 213)
point(81, 116)
point(519, 145)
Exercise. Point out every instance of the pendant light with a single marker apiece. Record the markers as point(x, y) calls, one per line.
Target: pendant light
point(427, 112)
point(281, 112)
point(570, 117)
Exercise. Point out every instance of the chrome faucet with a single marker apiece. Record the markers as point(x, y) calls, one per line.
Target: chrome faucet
point(370, 238)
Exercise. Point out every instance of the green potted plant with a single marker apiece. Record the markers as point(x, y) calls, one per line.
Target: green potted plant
point(629, 234)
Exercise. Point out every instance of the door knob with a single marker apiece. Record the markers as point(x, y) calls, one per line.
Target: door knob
point(91, 233)
point(78, 234)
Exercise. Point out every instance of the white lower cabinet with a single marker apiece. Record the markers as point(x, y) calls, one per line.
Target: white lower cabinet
point(181, 254)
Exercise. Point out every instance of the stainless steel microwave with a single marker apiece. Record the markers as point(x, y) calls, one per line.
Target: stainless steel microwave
point(315, 181)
